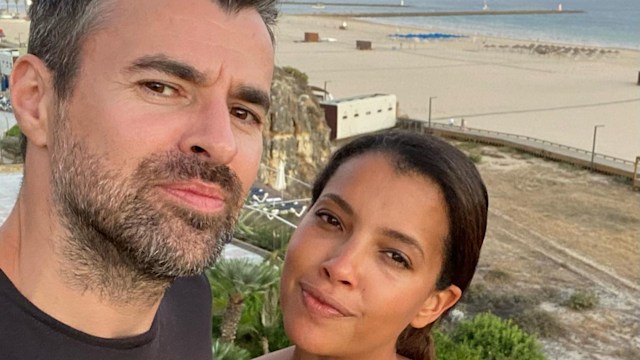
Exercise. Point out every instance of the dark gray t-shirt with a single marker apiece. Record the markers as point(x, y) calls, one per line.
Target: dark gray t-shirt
point(180, 330)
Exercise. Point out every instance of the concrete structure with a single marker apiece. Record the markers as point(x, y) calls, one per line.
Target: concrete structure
point(358, 115)
point(311, 37)
point(363, 45)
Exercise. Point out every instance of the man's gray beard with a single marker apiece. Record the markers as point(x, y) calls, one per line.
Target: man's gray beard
point(123, 240)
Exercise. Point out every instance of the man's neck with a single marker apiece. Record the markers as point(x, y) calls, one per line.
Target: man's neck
point(107, 302)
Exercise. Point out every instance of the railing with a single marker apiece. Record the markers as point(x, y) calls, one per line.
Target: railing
point(512, 139)
point(287, 177)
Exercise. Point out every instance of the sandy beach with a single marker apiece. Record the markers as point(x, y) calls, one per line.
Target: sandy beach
point(492, 83)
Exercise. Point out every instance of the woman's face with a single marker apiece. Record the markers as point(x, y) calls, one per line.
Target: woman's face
point(364, 261)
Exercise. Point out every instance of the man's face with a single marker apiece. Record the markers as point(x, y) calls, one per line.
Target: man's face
point(162, 135)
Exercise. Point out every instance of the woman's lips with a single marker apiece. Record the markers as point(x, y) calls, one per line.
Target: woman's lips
point(321, 304)
point(205, 198)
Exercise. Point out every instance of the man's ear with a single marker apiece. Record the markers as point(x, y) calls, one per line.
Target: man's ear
point(31, 89)
point(437, 303)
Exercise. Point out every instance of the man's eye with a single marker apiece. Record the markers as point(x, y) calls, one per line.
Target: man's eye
point(160, 88)
point(245, 115)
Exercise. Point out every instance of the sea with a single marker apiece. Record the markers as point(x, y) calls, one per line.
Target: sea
point(604, 23)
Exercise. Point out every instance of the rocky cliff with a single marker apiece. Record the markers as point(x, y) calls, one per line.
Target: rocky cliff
point(296, 133)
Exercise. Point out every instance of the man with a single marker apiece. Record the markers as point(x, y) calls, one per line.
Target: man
point(143, 122)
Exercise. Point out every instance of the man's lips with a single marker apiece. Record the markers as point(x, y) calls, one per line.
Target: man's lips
point(203, 197)
point(321, 304)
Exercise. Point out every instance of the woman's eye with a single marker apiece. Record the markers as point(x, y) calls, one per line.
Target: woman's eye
point(399, 258)
point(329, 219)
point(245, 115)
point(160, 88)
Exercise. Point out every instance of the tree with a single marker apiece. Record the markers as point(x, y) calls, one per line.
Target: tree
point(238, 279)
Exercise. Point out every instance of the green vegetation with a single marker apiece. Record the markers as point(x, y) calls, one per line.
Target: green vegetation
point(487, 337)
point(521, 307)
point(265, 234)
point(236, 280)
point(472, 149)
point(475, 158)
point(14, 131)
point(582, 300)
point(467, 145)
point(226, 351)
point(538, 322)
point(299, 75)
point(496, 275)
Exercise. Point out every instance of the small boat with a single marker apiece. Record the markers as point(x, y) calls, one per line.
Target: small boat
point(318, 6)
point(485, 7)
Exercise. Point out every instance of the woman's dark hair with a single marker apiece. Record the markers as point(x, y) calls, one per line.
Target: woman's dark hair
point(466, 201)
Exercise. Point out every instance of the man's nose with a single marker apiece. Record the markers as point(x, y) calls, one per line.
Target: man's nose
point(211, 135)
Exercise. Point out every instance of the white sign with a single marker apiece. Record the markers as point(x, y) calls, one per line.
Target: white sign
point(6, 62)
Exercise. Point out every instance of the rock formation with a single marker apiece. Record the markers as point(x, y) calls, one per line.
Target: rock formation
point(295, 133)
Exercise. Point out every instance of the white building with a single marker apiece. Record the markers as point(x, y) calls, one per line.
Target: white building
point(359, 115)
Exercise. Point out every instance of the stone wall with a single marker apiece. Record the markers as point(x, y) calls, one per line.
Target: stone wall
point(296, 133)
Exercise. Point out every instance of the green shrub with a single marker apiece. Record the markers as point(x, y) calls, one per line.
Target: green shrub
point(270, 235)
point(227, 351)
point(299, 75)
point(447, 349)
point(496, 275)
point(479, 298)
point(539, 322)
point(496, 339)
point(582, 300)
point(475, 158)
point(14, 131)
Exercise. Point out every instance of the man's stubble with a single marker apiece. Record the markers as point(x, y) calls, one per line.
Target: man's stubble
point(122, 239)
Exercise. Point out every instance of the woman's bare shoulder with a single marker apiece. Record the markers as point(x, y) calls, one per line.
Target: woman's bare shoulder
point(284, 354)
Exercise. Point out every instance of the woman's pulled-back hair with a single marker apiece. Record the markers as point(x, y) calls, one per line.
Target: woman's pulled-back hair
point(466, 202)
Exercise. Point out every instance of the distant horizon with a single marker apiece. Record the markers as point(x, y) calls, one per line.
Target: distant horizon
point(611, 24)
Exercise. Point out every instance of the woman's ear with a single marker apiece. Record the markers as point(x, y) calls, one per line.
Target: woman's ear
point(31, 90)
point(437, 303)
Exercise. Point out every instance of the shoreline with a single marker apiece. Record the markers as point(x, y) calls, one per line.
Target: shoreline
point(380, 21)
point(494, 83)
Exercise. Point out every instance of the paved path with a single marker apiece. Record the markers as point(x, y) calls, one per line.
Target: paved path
point(10, 183)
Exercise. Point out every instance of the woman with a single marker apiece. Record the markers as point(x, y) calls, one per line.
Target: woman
point(390, 244)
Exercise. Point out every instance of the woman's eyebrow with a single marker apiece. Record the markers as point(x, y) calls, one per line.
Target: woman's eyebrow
point(403, 238)
point(342, 203)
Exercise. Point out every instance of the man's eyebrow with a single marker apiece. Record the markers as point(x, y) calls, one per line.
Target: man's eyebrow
point(340, 202)
point(168, 66)
point(253, 95)
point(403, 238)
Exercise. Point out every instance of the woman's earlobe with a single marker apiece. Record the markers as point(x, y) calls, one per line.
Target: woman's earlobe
point(437, 303)
point(31, 90)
